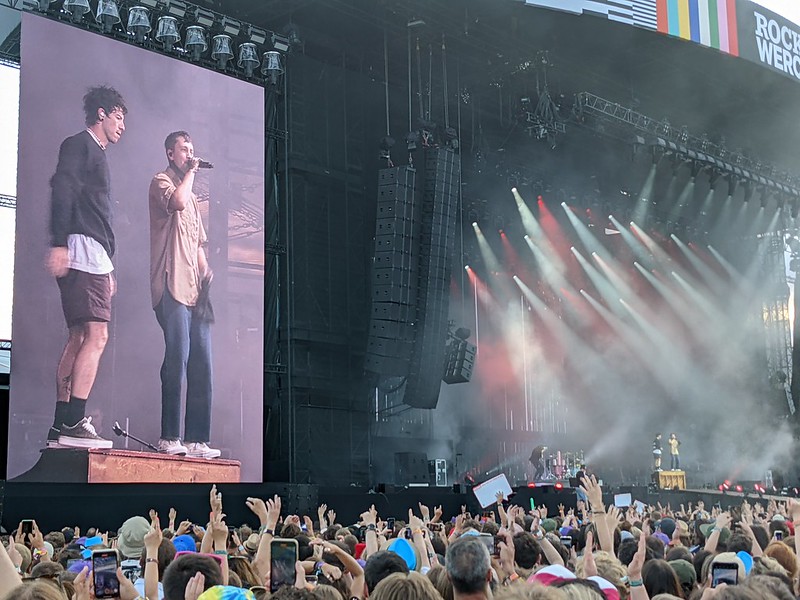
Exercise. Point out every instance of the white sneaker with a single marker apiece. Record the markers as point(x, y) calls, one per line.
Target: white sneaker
point(172, 447)
point(201, 450)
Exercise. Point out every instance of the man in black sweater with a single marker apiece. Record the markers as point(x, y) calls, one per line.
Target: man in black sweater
point(81, 247)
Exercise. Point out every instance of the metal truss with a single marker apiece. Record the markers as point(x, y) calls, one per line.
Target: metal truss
point(679, 141)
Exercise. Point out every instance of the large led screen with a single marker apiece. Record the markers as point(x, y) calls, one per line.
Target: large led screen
point(177, 353)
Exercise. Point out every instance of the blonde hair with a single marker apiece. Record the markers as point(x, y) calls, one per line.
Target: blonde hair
point(35, 590)
point(400, 586)
point(523, 591)
point(609, 568)
point(438, 577)
point(327, 592)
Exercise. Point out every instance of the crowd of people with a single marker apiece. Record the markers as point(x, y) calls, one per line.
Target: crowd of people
point(591, 552)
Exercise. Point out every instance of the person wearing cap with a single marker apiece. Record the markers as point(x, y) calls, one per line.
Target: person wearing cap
point(687, 576)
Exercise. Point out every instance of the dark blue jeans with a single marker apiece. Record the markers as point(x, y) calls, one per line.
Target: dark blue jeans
point(676, 462)
point(187, 355)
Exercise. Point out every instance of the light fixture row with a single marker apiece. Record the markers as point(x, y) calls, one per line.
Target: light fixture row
point(195, 42)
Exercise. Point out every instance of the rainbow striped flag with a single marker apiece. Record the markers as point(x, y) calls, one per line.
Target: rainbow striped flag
point(708, 22)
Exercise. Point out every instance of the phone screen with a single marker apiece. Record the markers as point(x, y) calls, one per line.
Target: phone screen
point(27, 527)
point(390, 523)
point(488, 541)
point(566, 540)
point(104, 570)
point(778, 535)
point(724, 573)
point(282, 560)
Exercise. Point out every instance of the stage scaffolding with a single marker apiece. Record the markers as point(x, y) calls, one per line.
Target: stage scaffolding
point(777, 323)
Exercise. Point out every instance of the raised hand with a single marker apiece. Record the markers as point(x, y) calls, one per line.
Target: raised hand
point(273, 510)
point(173, 514)
point(321, 516)
point(36, 538)
point(593, 491)
point(258, 508)
point(635, 566)
point(195, 586)
point(425, 512)
point(589, 566)
point(219, 531)
point(184, 527)
point(215, 500)
point(414, 522)
point(13, 553)
point(331, 517)
point(723, 520)
point(309, 525)
point(437, 514)
point(153, 515)
point(370, 516)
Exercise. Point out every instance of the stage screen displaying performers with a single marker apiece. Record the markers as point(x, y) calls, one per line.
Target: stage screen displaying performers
point(138, 295)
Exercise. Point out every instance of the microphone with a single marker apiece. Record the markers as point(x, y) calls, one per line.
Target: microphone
point(203, 164)
point(121, 432)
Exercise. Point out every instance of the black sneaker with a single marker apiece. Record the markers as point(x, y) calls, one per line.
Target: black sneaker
point(52, 439)
point(82, 435)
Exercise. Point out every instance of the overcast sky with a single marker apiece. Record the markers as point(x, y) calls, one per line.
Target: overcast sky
point(786, 8)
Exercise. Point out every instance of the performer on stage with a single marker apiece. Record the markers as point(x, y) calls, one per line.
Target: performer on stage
point(657, 452)
point(579, 475)
point(537, 460)
point(179, 277)
point(674, 454)
point(81, 247)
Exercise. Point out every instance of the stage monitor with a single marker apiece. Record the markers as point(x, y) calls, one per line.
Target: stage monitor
point(178, 249)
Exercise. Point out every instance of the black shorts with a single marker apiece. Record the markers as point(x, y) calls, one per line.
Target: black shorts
point(85, 297)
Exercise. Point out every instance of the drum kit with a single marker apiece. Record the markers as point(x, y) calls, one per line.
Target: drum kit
point(563, 465)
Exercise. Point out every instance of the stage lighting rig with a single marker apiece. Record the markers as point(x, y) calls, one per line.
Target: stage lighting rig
point(280, 43)
point(257, 35)
point(167, 32)
point(272, 67)
point(248, 58)
point(176, 8)
point(138, 23)
point(76, 9)
point(37, 5)
point(230, 26)
point(221, 50)
point(107, 14)
point(195, 41)
point(203, 17)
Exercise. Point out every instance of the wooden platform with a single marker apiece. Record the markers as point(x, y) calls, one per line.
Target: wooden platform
point(126, 466)
point(671, 480)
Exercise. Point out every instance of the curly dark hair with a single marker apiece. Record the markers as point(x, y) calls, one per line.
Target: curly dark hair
point(105, 97)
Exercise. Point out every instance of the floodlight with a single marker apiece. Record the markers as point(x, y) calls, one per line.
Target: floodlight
point(167, 31)
point(203, 17)
point(280, 42)
point(107, 14)
point(248, 58)
point(77, 8)
point(195, 42)
point(257, 35)
point(37, 5)
point(271, 66)
point(139, 23)
point(176, 8)
point(230, 27)
point(221, 50)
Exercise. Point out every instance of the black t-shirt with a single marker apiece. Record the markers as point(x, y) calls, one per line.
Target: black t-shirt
point(81, 193)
